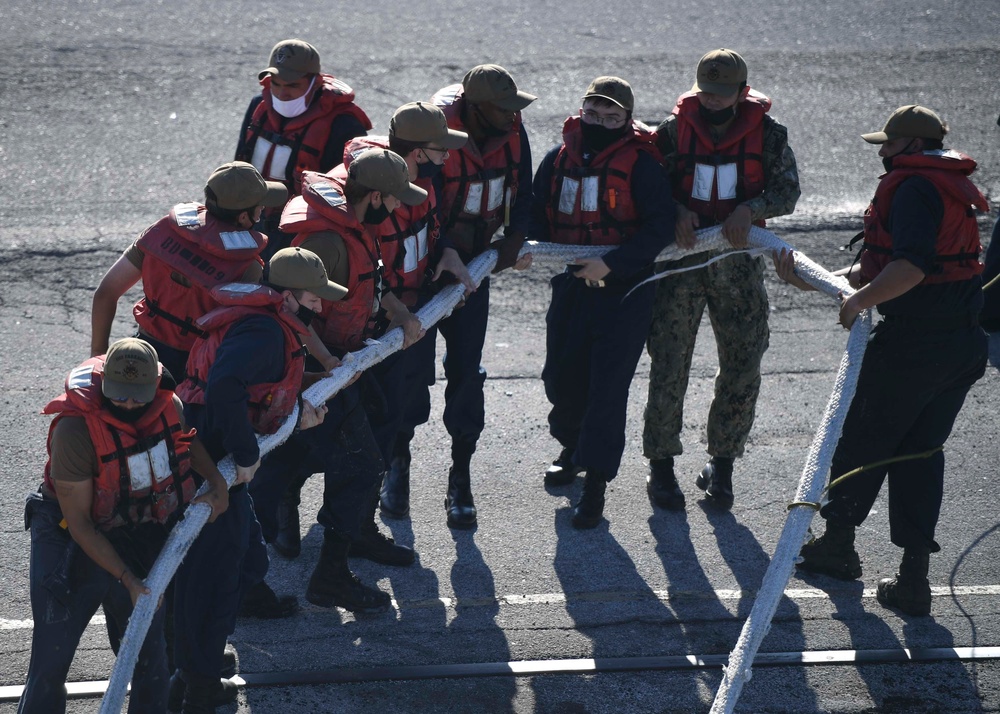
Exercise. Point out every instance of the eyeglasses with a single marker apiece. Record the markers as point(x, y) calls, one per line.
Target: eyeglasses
point(121, 401)
point(611, 121)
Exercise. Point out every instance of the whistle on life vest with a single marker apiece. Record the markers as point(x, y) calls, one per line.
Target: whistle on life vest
point(611, 198)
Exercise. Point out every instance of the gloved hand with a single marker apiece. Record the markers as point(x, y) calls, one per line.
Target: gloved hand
point(508, 247)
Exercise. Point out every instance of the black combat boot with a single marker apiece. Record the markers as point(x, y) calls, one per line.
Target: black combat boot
point(458, 503)
point(662, 487)
point(201, 695)
point(395, 497)
point(590, 509)
point(716, 480)
point(260, 601)
point(333, 584)
point(832, 553)
point(372, 545)
point(225, 693)
point(288, 541)
point(909, 592)
point(563, 471)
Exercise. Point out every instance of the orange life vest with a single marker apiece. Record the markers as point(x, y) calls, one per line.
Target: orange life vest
point(186, 254)
point(717, 177)
point(344, 324)
point(270, 403)
point(592, 205)
point(957, 246)
point(144, 468)
point(407, 237)
point(479, 186)
point(281, 148)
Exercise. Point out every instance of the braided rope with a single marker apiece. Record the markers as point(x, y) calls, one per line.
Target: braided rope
point(195, 518)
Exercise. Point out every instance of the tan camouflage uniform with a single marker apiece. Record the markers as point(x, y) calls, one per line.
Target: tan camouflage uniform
point(733, 290)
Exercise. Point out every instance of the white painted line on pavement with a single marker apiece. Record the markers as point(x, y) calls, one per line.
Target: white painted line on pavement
point(527, 668)
point(597, 598)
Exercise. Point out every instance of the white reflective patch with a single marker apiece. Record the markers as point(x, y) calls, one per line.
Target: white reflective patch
point(140, 472)
point(589, 200)
point(239, 288)
point(237, 240)
point(422, 243)
point(279, 162)
point(567, 196)
point(474, 199)
point(260, 152)
point(329, 193)
point(726, 179)
point(496, 193)
point(149, 465)
point(81, 377)
point(414, 250)
point(186, 214)
point(704, 178)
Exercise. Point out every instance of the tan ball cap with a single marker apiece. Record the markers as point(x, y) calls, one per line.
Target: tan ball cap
point(300, 269)
point(386, 172)
point(131, 371)
point(911, 121)
point(238, 186)
point(291, 60)
point(721, 72)
point(492, 83)
point(424, 123)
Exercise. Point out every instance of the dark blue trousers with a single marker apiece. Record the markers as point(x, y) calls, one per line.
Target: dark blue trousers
point(227, 557)
point(912, 385)
point(67, 587)
point(594, 338)
point(343, 449)
point(464, 333)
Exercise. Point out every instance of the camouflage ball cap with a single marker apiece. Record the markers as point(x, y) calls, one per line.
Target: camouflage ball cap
point(292, 60)
point(238, 186)
point(424, 123)
point(386, 172)
point(614, 89)
point(300, 269)
point(131, 371)
point(911, 121)
point(721, 72)
point(492, 83)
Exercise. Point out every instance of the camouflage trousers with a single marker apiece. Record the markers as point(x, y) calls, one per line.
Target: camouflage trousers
point(733, 291)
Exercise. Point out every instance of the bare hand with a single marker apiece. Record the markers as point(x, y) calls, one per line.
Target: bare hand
point(784, 266)
point(523, 263)
point(412, 329)
point(451, 262)
point(684, 227)
point(736, 227)
point(849, 310)
point(244, 474)
point(217, 500)
point(311, 416)
point(136, 587)
point(593, 269)
point(310, 378)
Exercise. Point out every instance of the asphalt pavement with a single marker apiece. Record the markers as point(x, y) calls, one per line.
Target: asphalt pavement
point(111, 112)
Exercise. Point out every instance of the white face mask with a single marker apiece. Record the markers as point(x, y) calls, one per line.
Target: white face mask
point(292, 107)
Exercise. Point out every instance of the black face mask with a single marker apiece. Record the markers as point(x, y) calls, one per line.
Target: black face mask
point(129, 416)
point(887, 160)
point(717, 117)
point(305, 315)
point(429, 170)
point(374, 216)
point(597, 138)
